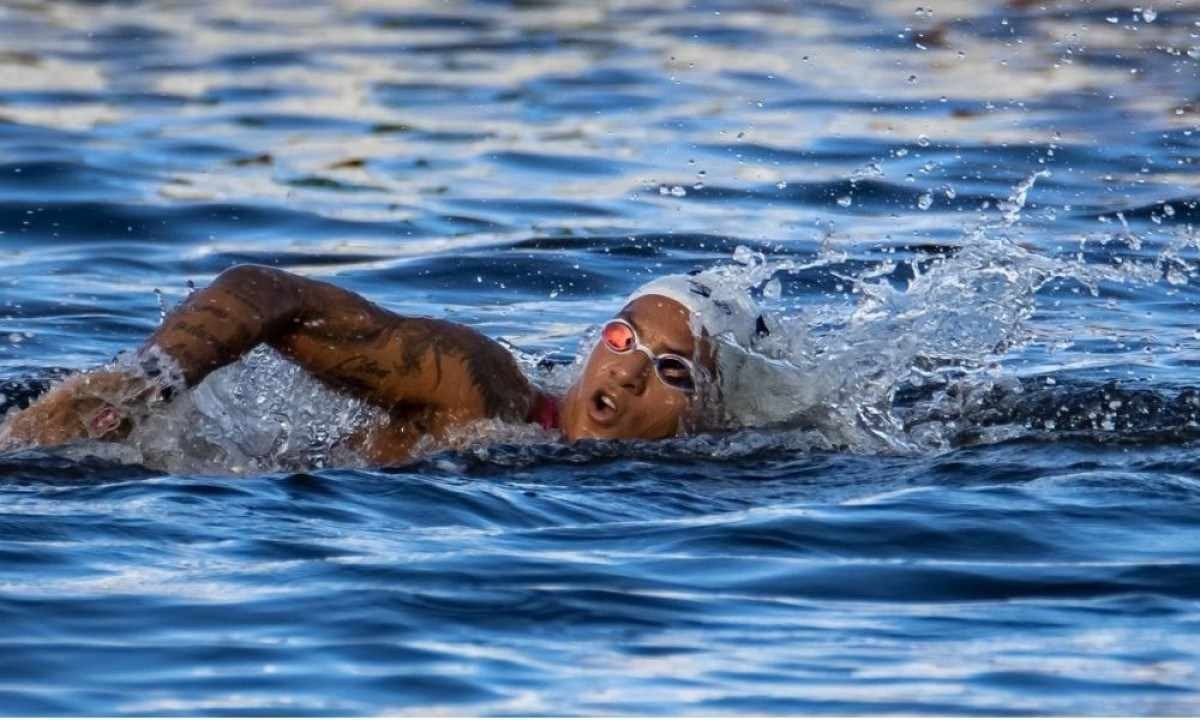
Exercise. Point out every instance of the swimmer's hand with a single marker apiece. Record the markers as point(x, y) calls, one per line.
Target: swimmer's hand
point(96, 405)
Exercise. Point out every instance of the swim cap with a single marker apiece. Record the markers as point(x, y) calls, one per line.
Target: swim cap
point(722, 307)
point(718, 309)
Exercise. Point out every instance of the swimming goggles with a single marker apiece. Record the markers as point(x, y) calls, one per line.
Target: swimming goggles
point(673, 370)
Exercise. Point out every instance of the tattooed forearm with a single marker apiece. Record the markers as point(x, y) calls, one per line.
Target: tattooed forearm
point(426, 374)
point(346, 341)
point(220, 323)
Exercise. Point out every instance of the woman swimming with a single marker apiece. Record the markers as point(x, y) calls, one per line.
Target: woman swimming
point(642, 380)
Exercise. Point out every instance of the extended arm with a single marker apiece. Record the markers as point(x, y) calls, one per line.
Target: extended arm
point(403, 365)
point(345, 340)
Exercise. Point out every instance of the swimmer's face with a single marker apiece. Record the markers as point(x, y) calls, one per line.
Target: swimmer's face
point(620, 395)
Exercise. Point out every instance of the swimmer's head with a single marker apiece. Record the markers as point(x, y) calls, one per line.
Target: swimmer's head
point(647, 372)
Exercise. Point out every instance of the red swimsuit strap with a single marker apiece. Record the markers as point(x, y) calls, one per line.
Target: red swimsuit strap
point(544, 412)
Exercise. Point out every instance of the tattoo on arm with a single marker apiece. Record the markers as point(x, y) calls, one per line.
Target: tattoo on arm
point(345, 340)
point(243, 307)
point(360, 365)
point(494, 375)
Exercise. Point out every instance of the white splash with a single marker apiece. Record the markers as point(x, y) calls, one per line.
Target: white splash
point(260, 414)
point(835, 370)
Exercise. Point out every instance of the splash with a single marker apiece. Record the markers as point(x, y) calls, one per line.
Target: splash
point(1010, 209)
point(261, 414)
point(837, 375)
point(936, 327)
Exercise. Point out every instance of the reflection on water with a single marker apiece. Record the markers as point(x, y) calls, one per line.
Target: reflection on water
point(983, 217)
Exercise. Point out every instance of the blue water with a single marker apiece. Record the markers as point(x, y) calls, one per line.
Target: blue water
point(521, 167)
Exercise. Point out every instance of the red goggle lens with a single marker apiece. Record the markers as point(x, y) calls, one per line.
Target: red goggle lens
point(618, 337)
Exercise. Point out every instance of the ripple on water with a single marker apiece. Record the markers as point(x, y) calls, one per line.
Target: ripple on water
point(516, 167)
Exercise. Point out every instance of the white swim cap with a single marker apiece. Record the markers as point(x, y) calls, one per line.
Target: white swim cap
point(719, 310)
point(726, 311)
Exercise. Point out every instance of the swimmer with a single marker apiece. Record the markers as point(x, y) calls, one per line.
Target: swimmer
point(642, 380)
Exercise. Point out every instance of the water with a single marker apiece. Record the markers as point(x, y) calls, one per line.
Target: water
point(963, 480)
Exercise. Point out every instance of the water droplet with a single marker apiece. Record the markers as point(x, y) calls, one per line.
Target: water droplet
point(1169, 211)
point(912, 79)
point(15, 338)
point(745, 256)
point(1011, 208)
point(1149, 15)
point(782, 184)
point(162, 305)
point(678, 191)
point(951, 193)
point(923, 141)
point(901, 152)
point(773, 290)
point(925, 200)
point(845, 201)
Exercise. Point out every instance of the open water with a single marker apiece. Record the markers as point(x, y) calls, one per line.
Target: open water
point(968, 483)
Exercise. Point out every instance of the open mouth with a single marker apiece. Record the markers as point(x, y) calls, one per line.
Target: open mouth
point(603, 408)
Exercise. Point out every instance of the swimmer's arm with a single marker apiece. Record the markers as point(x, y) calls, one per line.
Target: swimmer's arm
point(398, 363)
point(214, 327)
point(392, 361)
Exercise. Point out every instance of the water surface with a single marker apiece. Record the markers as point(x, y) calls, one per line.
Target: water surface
point(1013, 531)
